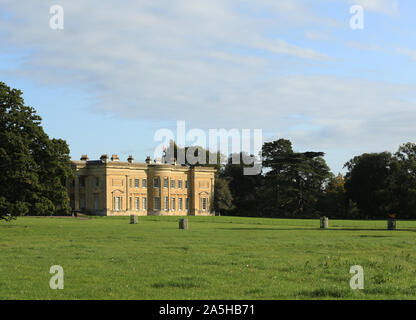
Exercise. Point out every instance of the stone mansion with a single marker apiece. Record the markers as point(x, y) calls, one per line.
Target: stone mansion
point(113, 188)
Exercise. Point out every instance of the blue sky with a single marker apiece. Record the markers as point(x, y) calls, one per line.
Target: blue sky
point(295, 69)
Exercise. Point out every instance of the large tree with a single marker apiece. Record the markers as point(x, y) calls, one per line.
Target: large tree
point(370, 183)
point(297, 178)
point(34, 168)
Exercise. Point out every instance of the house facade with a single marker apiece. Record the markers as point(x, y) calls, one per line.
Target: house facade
point(111, 187)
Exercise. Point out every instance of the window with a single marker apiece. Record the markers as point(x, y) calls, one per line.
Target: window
point(82, 201)
point(144, 183)
point(166, 203)
point(186, 184)
point(204, 204)
point(180, 204)
point(144, 206)
point(82, 181)
point(97, 181)
point(187, 203)
point(156, 182)
point(179, 184)
point(137, 203)
point(173, 204)
point(157, 203)
point(165, 182)
point(136, 183)
point(130, 207)
point(96, 203)
point(172, 184)
point(117, 203)
point(129, 183)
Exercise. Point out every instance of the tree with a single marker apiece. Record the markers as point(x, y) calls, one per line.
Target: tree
point(244, 188)
point(333, 201)
point(297, 178)
point(223, 200)
point(34, 167)
point(369, 183)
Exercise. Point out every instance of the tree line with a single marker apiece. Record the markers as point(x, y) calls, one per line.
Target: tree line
point(301, 185)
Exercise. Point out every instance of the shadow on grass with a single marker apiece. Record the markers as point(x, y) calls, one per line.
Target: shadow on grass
point(183, 283)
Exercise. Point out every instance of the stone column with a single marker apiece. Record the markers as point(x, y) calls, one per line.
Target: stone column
point(76, 193)
point(127, 193)
point(183, 223)
point(324, 222)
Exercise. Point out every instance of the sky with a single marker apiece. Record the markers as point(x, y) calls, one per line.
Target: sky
point(120, 71)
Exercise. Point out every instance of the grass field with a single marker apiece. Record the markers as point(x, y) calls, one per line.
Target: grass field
point(217, 258)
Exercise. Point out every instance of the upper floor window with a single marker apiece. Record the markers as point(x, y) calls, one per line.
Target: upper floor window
point(186, 184)
point(172, 184)
point(165, 182)
point(136, 183)
point(97, 181)
point(156, 182)
point(179, 184)
point(144, 183)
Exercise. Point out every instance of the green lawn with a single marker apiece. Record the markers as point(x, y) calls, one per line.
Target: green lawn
point(217, 258)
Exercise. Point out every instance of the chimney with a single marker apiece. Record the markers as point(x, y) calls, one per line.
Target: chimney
point(84, 157)
point(104, 158)
point(114, 157)
point(130, 159)
point(148, 160)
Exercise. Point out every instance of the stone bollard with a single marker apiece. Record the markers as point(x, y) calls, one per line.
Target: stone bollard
point(324, 222)
point(134, 219)
point(391, 224)
point(183, 223)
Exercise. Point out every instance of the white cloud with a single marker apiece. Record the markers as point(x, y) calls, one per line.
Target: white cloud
point(411, 53)
point(364, 46)
point(388, 7)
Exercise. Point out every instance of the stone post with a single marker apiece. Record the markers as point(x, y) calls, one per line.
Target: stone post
point(324, 222)
point(134, 219)
point(183, 223)
point(391, 224)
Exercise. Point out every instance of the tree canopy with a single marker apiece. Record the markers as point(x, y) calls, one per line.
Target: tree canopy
point(34, 168)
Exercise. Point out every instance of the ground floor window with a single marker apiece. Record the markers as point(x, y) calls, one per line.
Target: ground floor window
point(204, 204)
point(166, 203)
point(144, 204)
point(137, 203)
point(187, 203)
point(173, 204)
point(117, 203)
point(180, 204)
point(157, 203)
point(96, 203)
